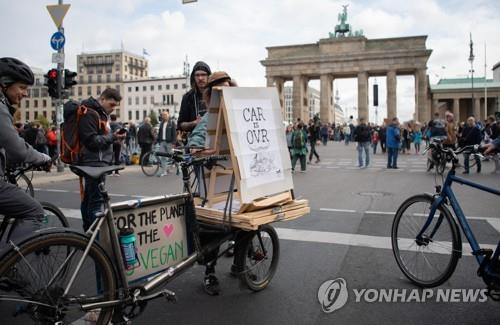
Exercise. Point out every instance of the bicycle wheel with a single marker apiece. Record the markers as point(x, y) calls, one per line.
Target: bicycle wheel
point(24, 183)
point(33, 281)
point(150, 164)
point(428, 261)
point(257, 256)
point(53, 217)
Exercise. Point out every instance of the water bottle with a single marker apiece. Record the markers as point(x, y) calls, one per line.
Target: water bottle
point(127, 245)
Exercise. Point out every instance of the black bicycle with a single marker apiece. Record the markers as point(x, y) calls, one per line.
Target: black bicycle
point(49, 272)
point(18, 175)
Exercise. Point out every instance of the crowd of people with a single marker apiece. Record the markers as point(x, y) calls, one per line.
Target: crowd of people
point(393, 138)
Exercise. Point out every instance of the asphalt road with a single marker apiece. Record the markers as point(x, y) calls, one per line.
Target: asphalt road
point(346, 236)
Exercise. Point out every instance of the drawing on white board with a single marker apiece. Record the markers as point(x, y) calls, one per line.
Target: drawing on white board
point(263, 164)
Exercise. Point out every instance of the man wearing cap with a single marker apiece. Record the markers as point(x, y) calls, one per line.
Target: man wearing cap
point(192, 105)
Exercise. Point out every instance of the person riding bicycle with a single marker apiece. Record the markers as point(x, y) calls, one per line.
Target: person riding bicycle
point(437, 129)
point(15, 78)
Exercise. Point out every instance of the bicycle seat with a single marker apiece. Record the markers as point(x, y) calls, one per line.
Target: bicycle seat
point(94, 172)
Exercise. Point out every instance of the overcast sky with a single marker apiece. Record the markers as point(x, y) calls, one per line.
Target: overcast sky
point(231, 35)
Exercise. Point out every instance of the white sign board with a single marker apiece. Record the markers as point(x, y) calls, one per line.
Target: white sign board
point(160, 230)
point(258, 141)
point(58, 58)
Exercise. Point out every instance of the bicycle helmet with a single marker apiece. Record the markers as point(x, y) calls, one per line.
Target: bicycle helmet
point(12, 70)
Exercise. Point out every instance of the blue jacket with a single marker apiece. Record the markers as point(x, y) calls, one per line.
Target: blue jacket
point(393, 137)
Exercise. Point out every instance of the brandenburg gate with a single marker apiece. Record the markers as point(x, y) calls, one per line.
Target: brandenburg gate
point(350, 57)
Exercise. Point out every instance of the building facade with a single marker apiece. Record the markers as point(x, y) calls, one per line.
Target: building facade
point(313, 99)
point(38, 103)
point(466, 97)
point(153, 94)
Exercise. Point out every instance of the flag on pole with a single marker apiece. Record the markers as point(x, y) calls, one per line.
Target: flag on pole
point(144, 52)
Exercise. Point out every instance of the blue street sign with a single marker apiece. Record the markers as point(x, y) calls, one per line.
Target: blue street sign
point(57, 41)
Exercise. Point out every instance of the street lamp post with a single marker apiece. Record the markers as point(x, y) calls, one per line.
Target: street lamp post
point(471, 60)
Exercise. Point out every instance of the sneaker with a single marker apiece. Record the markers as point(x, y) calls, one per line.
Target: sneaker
point(234, 270)
point(162, 174)
point(317, 160)
point(211, 285)
point(91, 317)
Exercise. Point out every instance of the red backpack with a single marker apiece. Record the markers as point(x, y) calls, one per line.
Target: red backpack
point(70, 138)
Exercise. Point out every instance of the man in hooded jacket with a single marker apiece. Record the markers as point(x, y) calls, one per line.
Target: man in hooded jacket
point(192, 106)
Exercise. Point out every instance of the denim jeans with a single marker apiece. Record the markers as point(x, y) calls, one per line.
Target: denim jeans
point(165, 147)
point(363, 146)
point(392, 157)
point(92, 202)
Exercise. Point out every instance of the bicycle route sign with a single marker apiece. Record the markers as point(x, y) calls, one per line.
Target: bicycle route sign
point(57, 41)
point(160, 229)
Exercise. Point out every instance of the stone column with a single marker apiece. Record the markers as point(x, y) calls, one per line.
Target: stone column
point(363, 95)
point(325, 102)
point(298, 96)
point(456, 109)
point(421, 95)
point(391, 94)
point(477, 108)
point(434, 108)
point(280, 83)
point(270, 81)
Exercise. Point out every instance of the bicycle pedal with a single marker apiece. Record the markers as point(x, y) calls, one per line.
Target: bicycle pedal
point(483, 252)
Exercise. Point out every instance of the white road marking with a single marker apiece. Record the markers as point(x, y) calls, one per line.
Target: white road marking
point(359, 240)
point(338, 210)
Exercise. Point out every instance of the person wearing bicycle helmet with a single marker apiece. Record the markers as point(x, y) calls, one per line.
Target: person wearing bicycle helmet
point(15, 78)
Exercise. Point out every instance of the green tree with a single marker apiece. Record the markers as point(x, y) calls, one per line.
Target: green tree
point(154, 118)
point(44, 122)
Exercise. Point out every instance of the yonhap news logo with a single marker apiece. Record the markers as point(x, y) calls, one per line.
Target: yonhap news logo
point(334, 294)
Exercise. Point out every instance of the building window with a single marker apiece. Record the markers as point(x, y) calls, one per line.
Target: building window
point(159, 87)
point(129, 89)
point(53, 115)
point(117, 87)
point(144, 114)
point(98, 90)
point(45, 92)
point(137, 115)
point(27, 116)
point(35, 92)
point(90, 79)
point(167, 87)
point(44, 103)
point(44, 113)
point(144, 100)
point(35, 103)
point(184, 86)
point(90, 70)
point(144, 88)
point(99, 70)
point(130, 101)
point(81, 79)
point(137, 100)
point(152, 88)
point(152, 100)
point(136, 89)
point(108, 78)
point(79, 91)
point(99, 78)
point(117, 77)
point(27, 104)
point(175, 86)
point(130, 115)
point(36, 115)
point(89, 91)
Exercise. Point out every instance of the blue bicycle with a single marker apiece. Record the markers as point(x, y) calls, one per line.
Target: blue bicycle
point(426, 239)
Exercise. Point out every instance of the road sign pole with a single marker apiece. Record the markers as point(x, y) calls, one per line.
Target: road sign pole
point(59, 104)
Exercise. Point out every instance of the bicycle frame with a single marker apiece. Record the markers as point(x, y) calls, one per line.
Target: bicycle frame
point(445, 194)
point(141, 292)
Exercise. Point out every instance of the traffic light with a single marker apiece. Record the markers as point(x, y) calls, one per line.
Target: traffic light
point(51, 80)
point(69, 79)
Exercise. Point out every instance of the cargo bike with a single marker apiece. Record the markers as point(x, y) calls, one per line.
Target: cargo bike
point(57, 276)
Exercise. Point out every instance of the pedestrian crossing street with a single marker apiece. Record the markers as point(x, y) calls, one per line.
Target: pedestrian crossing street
point(412, 164)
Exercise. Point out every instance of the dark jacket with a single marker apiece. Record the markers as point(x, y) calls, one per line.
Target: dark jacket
point(170, 134)
point(192, 103)
point(362, 133)
point(95, 136)
point(470, 136)
point(145, 134)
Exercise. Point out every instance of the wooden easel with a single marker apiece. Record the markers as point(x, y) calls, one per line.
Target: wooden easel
point(220, 142)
